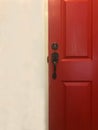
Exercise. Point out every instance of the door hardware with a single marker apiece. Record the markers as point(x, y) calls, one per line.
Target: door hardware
point(54, 46)
point(55, 57)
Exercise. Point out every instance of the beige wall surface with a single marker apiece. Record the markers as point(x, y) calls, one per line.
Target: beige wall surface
point(22, 65)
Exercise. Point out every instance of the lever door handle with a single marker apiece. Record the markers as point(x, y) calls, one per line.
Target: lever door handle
point(55, 57)
point(54, 75)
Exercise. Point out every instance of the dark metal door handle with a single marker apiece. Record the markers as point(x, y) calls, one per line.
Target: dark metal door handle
point(55, 57)
point(54, 75)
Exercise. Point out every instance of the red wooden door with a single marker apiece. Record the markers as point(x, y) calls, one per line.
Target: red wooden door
point(73, 95)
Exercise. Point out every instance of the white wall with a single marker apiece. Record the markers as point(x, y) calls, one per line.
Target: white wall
point(22, 65)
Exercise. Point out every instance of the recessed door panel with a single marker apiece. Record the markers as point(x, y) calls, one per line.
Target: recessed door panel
point(78, 107)
point(77, 27)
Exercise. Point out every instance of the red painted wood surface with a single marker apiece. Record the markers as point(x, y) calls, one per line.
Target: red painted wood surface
point(73, 96)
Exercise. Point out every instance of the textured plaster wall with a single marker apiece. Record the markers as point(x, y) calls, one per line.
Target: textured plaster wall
point(22, 65)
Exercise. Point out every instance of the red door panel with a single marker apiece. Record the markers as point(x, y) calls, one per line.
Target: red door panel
point(78, 105)
point(77, 24)
point(73, 94)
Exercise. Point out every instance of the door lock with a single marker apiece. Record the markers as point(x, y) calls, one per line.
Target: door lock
point(54, 46)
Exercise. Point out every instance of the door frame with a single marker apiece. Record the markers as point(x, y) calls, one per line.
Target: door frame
point(46, 65)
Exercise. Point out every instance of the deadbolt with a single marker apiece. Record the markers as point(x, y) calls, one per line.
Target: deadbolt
point(54, 46)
